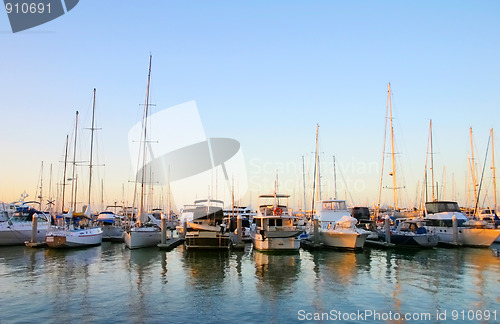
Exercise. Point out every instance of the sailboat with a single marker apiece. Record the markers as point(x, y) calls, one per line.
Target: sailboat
point(143, 233)
point(445, 218)
point(394, 212)
point(77, 230)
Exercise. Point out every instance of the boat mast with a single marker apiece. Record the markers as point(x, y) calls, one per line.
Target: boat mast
point(394, 182)
point(64, 173)
point(334, 179)
point(144, 125)
point(432, 162)
point(73, 181)
point(318, 188)
point(91, 148)
point(473, 168)
point(304, 182)
point(493, 168)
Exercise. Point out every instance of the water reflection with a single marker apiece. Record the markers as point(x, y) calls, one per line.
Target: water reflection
point(276, 273)
point(206, 269)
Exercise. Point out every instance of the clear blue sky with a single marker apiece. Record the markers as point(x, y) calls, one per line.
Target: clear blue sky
point(261, 72)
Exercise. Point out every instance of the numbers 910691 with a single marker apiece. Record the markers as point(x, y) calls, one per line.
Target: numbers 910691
point(27, 8)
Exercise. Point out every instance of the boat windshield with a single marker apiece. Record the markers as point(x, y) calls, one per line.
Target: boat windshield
point(334, 205)
point(442, 207)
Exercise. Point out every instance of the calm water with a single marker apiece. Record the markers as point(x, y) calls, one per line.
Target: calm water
point(110, 283)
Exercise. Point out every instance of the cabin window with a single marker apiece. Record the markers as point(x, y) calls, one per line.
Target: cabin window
point(279, 222)
point(272, 222)
point(258, 221)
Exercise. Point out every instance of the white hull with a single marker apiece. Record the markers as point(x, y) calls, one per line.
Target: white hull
point(74, 238)
point(112, 233)
point(342, 239)
point(19, 233)
point(479, 237)
point(141, 237)
point(275, 243)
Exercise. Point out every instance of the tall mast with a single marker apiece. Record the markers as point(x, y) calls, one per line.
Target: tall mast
point(473, 168)
point(432, 161)
point(64, 173)
point(91, 147)
point(73, 181)
point(144, 125)
point(394, 182)
point(304, 182)
point(318, 177)
point(493, 168)
point(334, 179)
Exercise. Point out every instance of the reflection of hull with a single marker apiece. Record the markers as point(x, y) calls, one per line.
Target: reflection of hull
point(74, 238)
point(342, 239)
point(140, 237)
point(274, 243)
point(207, 240)
point(479, 237)
point(17, 234)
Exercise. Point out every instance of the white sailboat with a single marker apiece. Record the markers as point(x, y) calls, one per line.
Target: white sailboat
point(77, 230)
point(143, 233)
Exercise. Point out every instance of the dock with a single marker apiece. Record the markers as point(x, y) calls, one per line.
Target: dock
point(171, 243)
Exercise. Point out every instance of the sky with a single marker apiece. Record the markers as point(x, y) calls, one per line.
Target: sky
point(264, 73)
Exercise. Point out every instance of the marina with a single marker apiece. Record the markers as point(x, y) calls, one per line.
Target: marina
point(111, 283)
point(249, 162)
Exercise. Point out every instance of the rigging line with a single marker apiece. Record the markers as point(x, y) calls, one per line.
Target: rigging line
point(346, 187)
point(482, 175)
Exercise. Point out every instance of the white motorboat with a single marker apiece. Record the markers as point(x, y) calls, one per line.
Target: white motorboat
point(18, 228)
point(447, 220)
point(336, 227)
point(274, 227)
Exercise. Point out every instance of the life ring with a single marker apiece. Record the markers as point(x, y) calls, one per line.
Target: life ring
point(278, 211)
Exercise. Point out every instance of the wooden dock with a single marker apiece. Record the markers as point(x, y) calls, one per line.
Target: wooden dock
point(171, 243)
